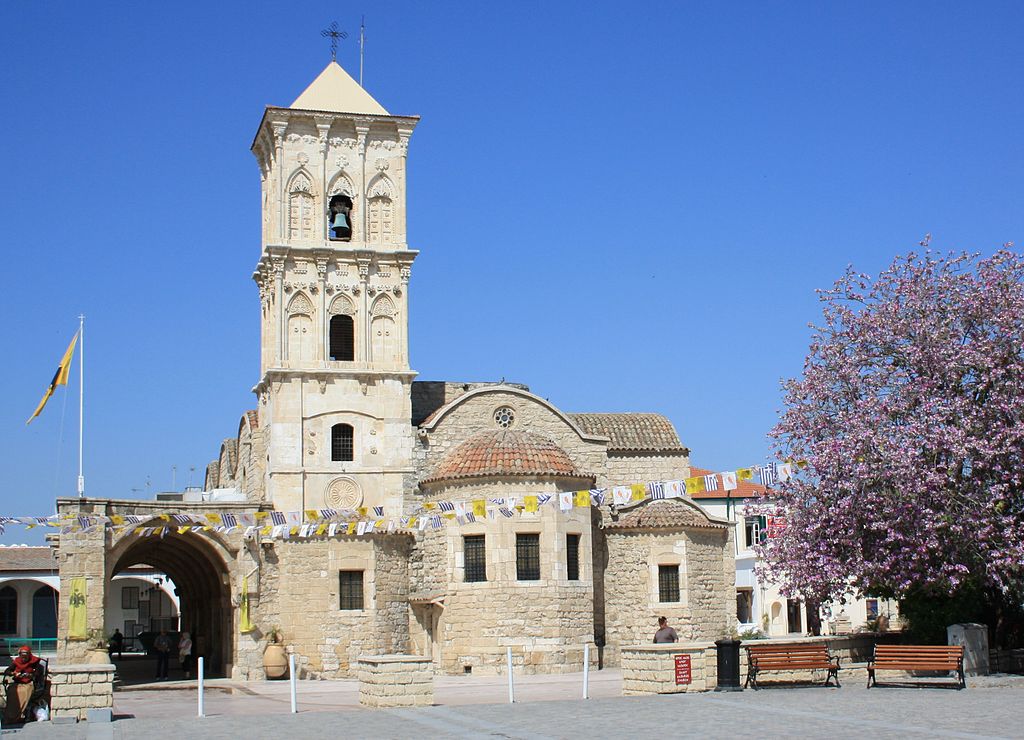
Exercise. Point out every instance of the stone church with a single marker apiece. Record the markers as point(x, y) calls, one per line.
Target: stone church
point(342, 423)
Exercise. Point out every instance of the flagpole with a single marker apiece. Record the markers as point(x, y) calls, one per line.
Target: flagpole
point(362, 44)
point(81, 399)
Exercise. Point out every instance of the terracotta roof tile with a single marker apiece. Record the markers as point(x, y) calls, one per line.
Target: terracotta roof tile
point(744, 488)
point(505, 452)
point(27, 558)
point(631, 431)
point(662, 514)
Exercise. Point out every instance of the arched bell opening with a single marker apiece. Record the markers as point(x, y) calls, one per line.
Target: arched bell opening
point(339, 218)
point(202, 585)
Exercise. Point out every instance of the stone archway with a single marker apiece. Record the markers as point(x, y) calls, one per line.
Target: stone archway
point(201, 577)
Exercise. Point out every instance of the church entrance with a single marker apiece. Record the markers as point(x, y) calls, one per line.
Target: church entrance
point(201, 583)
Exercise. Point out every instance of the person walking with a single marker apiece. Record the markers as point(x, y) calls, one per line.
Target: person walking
point(185, 654)
point(162, 645)
point(116, 644)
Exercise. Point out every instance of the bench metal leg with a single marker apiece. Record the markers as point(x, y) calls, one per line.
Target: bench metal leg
point(871, 677)
point(751, 679)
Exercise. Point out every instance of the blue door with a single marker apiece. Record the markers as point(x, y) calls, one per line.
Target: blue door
point(44, 613)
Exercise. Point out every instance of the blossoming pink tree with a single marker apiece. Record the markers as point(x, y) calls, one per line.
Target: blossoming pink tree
point(910, 415)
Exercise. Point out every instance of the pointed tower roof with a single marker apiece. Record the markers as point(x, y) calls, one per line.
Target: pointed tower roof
point(335, 91)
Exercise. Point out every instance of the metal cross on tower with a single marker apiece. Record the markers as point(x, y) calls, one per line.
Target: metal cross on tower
point(334, 33)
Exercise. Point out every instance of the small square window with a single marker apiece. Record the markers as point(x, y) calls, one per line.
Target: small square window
point(474, 551)
point(528, 557)
point(130, 597)
point(668, 583)
point(350, 589)
point(572, 557)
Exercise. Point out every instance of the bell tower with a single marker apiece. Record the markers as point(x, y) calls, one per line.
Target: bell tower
point(333, 278)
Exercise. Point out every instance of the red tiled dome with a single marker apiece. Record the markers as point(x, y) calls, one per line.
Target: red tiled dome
point(503, 452)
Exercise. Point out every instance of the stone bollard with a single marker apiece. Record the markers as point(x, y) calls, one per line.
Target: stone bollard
point(81, 691)
point(974, 638)
point(396, 681)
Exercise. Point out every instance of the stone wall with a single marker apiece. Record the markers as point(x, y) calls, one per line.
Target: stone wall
point(707, 599)
point(77, 688)
point(395, 681)
point(651, 669)
point(623, 468)
point(300, 594)
point(545, 622)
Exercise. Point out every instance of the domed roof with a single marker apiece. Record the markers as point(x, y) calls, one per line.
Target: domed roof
point(503, 452)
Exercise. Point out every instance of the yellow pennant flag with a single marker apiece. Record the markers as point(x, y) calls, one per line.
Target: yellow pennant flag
point(184, 530)
point(321, 529)
point(583, 499)
point(412, 522)
point(116, 519)
point(639, 492)
point(214, 519)
point(265, 531)
point(312, 515)
point(293, 531)
point(244, 625)
point(59, 378)
point(76, 610)
point(745, 474)
point(166, 517)
point(480, 507)
point(261, 516)
point(530, 502)
point(351, 528)
point(429, 506)
point(695, 484)
point(361, 511)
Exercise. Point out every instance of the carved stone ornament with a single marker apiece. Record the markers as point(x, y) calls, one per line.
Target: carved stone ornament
point(383, 307)
point(381, 164)
point(300, 304)
point(303, 158)
point(342, 305)
point(343, 493)
point(341, 160)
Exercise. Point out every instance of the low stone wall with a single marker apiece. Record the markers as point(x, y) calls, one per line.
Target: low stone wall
point(651, 669)
point(77, 688)
point(395, 681)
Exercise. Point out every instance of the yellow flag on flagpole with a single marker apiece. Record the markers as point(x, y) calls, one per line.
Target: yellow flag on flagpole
point(59, 378)
point(76, 610)
point(244, 625)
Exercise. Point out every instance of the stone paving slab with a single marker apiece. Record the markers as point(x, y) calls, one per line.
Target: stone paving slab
point(814, 712)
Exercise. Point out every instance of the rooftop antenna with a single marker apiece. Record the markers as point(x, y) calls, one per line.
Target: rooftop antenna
point(334, 33)
point(362, 46)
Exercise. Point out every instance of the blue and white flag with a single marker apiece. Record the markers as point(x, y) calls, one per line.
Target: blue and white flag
point(436, 522)
point(711, 482)
point(328, 513)
point(768, 474)
point(446, 506)
point(229, 520)
point(656, 490)
point(277, 518)
point(504, 511)
point(378, 511)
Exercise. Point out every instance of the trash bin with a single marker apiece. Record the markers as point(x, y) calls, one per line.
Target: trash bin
point(728, 665)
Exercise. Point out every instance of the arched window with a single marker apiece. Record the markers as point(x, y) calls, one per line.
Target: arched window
point(339, 218)
point(343, 338)
point(44, 612)
point(342, 448)
point(8, 611)
point(380, 211)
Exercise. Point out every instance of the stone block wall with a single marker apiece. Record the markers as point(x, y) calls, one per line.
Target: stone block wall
point(300, 594)
point(624, 468)
point(651, 669)
point(77, 688)
point(395, 681)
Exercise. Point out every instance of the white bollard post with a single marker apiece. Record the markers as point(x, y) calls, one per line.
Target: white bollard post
point(291, 679)
point(586, 671)
point(511, 686)
point(199, 676)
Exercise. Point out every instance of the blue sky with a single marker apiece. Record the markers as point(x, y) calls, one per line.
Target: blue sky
point(628, 209)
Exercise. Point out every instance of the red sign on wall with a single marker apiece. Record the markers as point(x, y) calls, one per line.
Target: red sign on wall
point(682, 669)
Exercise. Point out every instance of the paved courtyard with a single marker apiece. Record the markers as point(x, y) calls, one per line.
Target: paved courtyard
point(550, 707)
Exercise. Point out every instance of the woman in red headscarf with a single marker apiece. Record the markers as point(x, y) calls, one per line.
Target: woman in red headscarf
point(22, 673)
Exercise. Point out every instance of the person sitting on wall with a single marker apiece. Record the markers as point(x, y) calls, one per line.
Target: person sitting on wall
point(665, 633)
point(21, 676)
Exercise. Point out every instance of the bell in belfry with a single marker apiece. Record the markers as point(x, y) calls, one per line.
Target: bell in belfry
point(341, 217)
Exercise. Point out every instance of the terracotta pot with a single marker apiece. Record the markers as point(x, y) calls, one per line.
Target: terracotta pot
point(275, 661)
point(98, 655)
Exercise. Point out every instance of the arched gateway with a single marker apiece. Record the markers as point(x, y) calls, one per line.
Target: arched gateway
point(204, 566)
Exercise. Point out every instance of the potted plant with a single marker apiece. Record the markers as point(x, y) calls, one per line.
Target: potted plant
point(275, 656)
point(98, 649)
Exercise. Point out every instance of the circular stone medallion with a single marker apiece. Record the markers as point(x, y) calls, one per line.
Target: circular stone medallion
point(343, 493)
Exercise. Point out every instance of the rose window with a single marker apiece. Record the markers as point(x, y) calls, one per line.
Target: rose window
point(504, 417)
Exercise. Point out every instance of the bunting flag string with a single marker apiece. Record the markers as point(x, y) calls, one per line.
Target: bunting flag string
point(431, 514)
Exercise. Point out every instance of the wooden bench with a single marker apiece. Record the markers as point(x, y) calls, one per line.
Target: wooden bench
point(918, 658)
point(790, 657)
